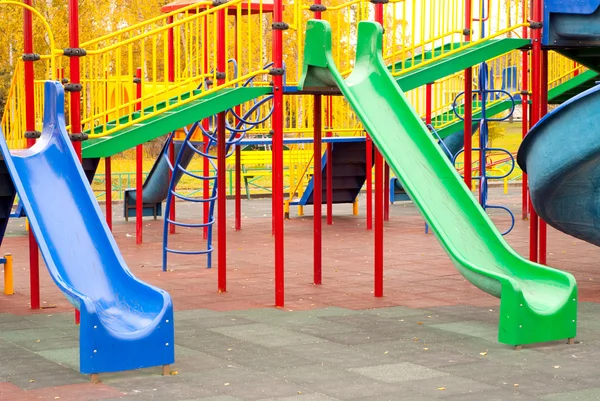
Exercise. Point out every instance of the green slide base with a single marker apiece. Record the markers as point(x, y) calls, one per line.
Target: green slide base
point(537, 303)
point(168, 121)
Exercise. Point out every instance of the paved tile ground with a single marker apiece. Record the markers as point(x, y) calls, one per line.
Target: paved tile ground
point(433, 335)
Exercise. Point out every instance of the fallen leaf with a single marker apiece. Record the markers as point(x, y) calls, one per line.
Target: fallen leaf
point(441, 388)
point(556, 366)
point(386, 352)
point(226, 384)
point(516, 385)
point(31, 381)
point(425, 349)
point(484, 353)
point(419, 322)
point(174, 373)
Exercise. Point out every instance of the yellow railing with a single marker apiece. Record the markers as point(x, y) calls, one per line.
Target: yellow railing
point(13, 119)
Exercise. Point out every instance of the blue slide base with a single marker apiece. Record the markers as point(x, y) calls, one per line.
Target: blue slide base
point(125, 323)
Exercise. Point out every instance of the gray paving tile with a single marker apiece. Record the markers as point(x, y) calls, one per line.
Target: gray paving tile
point(446, 386)
point(265, 335)
point(335, 382)
point(43, 344)
point(397, 312)
point(30, 334)
point(194, 314)
point(470, 328)
point(303, 397)
point(399, 372)
point(54, 376)
point(588, 394)
point(68, 357)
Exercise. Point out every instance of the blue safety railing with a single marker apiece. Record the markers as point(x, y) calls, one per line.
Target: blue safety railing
point(236, 135)
point(485, 92)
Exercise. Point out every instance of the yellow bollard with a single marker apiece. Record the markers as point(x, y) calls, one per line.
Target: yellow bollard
point(9, 287)
point(300, 210)
point(355, 207)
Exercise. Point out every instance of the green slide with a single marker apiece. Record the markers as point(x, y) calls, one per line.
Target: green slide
point(537, 303)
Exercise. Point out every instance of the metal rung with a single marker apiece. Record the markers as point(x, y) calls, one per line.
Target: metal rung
point(200, 177)
point(186, 198)
point(204, 252)
point(191, 225)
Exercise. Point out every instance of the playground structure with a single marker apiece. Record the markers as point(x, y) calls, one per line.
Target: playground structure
point(203, 76)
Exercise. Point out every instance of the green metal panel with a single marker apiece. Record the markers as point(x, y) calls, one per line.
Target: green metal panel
point(169, 121)
point(572, 87)
point(457, 62)
point(537, 303)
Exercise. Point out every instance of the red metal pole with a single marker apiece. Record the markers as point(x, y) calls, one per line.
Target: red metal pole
point(543, 237)
point(171, 50)
point(172, 213)
point(317, 191)
point(171, 76)
point(386, 192)
point(205, 183)
point(329, 166)
point(139, 171)
point(524, 123)
point(277, 153)
point(34, 261)
point(369, 181)
point(206, 125)
point(108, 191)
point(379, 196)
point(536, 94)
point(428, 103)
point(468, 114)
point(75, 98)
point(238, 152)
point(221, 160)
point(107, 162)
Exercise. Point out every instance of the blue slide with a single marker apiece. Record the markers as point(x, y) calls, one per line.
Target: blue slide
point(561, 156)
point(125, 323)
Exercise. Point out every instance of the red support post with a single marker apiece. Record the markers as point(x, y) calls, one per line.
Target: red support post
point(34, 261)
point(75, 98)
point(205, 183)
point(206, 125)
point(171, 76)
point(329, 165)
point(317, 191)
point(468, 115)
point(238, 151)
point(369, 181)
point(108, 191)
point(428, 103)
point(139, 170)
point(221, 159)
point(171, 50)
point(107, 162)
point(277, 154)
point(172, 213)
point(379, 196)
point(543, 237)
point(536, 104)
point(524, 122)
